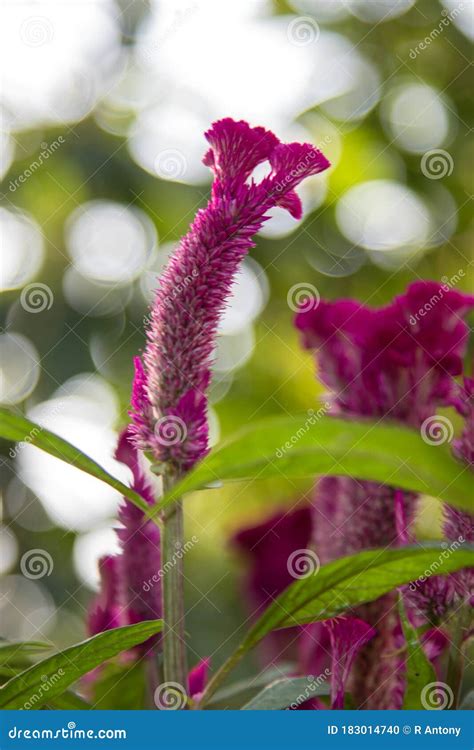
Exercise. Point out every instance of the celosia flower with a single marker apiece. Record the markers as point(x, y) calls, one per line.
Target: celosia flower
point(396, 362)
point(459, 525)
point(169, 395)
point(105, 612)
point(269, 547)
point(130, 582)
point(197, 679)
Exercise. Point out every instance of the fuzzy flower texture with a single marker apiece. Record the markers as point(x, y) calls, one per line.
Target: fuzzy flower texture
point(390, 363)
point(169, 393)
point(169, 389)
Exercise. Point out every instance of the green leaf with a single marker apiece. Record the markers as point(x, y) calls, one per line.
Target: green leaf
point(283, 693)
point(51, 677)
point(343, 584)
point(419, 669)
point(121, 687)
point(241, 692)
point(19, 429)
point(69, 701)
point(293, 447)
point(21, 652)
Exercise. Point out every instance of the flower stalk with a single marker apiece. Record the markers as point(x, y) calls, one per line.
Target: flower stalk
point(174, 644)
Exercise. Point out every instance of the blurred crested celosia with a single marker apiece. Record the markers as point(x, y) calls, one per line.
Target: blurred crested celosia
point(397, 362)
point(169, 394)
point(269, 546)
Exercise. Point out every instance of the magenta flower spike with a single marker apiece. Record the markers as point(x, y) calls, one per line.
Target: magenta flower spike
point(169, 393)
point(397, 362)
point(140, 541)
point(130, 582)
point(105, 612)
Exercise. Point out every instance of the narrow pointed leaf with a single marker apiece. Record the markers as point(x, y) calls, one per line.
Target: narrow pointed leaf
point(18, 428)
point(342, 585)
point(284, 693)
point(19, 652)
point(41, 683)
point(293, 447)
point(241, 692)
point(69, 701)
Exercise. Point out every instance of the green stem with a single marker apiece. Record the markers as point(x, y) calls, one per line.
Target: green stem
point(174, 643)
point(220, 676)
point(153, 674)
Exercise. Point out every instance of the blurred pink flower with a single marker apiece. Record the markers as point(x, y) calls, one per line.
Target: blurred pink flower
point(130, 582)
point(396, 362)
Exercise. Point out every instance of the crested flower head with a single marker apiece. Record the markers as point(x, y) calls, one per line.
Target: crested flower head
point(169, 394)
point(397, 361)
